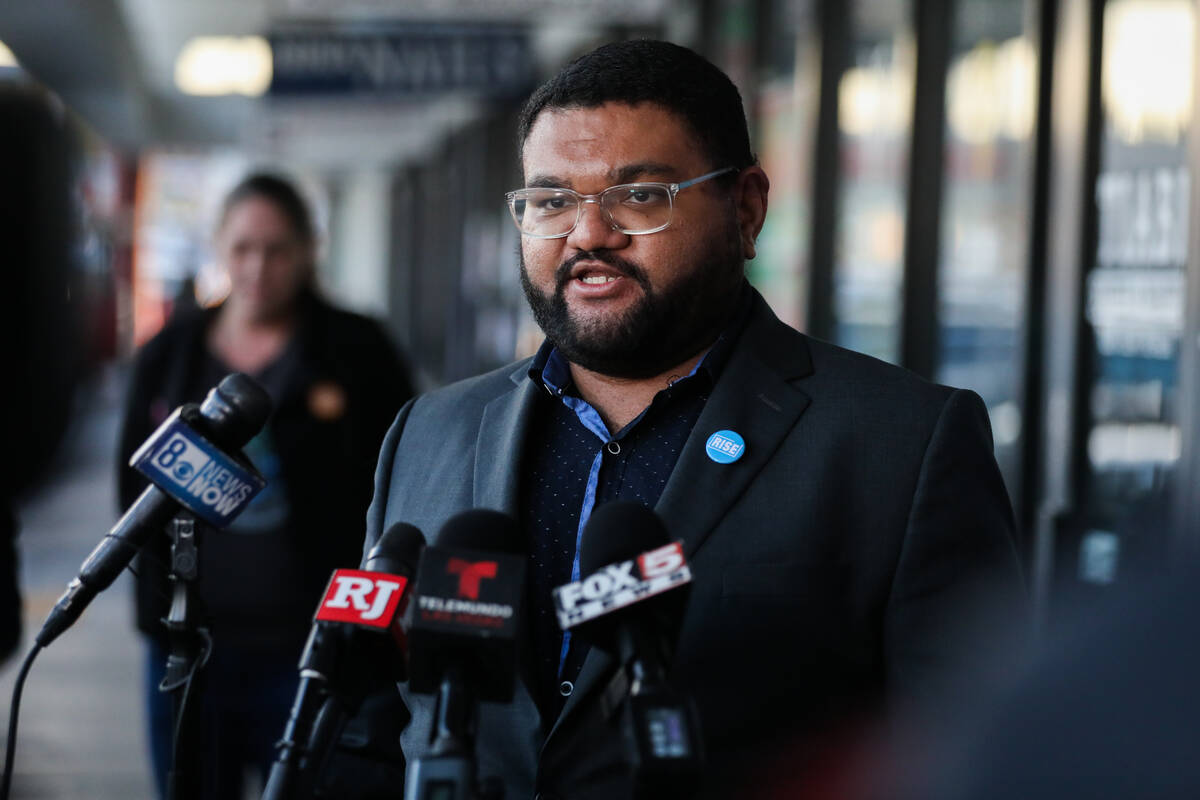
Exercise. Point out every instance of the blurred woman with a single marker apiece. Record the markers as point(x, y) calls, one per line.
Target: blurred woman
point(336, 383)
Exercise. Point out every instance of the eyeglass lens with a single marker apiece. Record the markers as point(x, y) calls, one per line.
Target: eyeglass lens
point(633, 208)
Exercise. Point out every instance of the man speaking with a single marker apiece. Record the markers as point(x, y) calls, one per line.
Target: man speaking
point(840, 515)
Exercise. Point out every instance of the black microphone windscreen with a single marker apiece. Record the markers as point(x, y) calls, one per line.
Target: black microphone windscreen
point(482, 529)
point(397, 550)
point(619, 531)
point(236, 409)
point(467, 605)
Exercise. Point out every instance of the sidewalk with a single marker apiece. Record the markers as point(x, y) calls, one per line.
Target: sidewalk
point(81, 731)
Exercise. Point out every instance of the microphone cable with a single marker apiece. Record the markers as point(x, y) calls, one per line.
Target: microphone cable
point(14, 712)
point(10, 749)
point(198, 663)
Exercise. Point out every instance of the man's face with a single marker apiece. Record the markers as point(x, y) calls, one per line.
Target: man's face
point(630, 305)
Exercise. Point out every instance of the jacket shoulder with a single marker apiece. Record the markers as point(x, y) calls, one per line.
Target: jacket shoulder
point(447, 421)
point(468, 397)
point(832, 370)
point(349, 326)
point(869, 376)
point(179, 331)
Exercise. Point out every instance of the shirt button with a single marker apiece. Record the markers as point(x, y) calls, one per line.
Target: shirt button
point(613, 447)
point(565, 688)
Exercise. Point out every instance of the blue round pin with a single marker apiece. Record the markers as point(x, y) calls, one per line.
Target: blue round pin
point(725, 447)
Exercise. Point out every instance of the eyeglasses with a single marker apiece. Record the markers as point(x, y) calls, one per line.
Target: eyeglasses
point(632, 208)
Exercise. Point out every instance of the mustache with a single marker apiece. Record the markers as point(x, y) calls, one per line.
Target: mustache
point(562, 276)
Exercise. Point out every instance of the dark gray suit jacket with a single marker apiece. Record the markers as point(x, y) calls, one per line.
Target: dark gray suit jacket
point(834, 564)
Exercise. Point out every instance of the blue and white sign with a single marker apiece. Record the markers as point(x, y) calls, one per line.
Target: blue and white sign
point(725, 447)
point(413, 59)
point(196, 473)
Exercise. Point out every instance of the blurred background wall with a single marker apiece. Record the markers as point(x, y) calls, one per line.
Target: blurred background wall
point(994, 193)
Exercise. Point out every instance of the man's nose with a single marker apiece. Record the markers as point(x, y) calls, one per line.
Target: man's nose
point(595, 232)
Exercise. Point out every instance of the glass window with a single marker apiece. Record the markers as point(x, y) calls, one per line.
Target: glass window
point(874, 116)
point(990, 113)
point(787, 123)
point(1135, 291)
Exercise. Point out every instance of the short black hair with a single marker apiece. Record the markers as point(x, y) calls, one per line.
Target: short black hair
point(649, 71)
point(278, 190)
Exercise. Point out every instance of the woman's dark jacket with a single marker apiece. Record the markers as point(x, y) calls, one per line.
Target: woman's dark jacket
point(327, 459)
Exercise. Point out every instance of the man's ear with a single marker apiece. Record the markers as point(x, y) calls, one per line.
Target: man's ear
point(750, 198)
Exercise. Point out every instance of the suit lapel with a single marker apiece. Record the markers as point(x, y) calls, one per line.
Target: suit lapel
point(754, 398)
point(499, 451)
point(501, 443)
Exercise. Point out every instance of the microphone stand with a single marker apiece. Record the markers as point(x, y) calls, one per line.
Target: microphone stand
point(190, 645)
point(448, 772)
point(290, 776)
point(661, 729)
point(333, 687)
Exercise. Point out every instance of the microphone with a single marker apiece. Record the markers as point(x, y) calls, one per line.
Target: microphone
point(462, 638)
point(188, 464)
point(357, 643)
point(631, 604)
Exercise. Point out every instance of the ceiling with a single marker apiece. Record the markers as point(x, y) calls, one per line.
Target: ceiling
point(113, 61)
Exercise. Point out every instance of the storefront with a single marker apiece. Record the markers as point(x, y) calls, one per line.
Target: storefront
point(996, 194)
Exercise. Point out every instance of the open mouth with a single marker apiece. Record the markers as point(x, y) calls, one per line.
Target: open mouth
point(595, 276)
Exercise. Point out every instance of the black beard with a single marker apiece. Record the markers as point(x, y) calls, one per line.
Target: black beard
point(660, 331)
